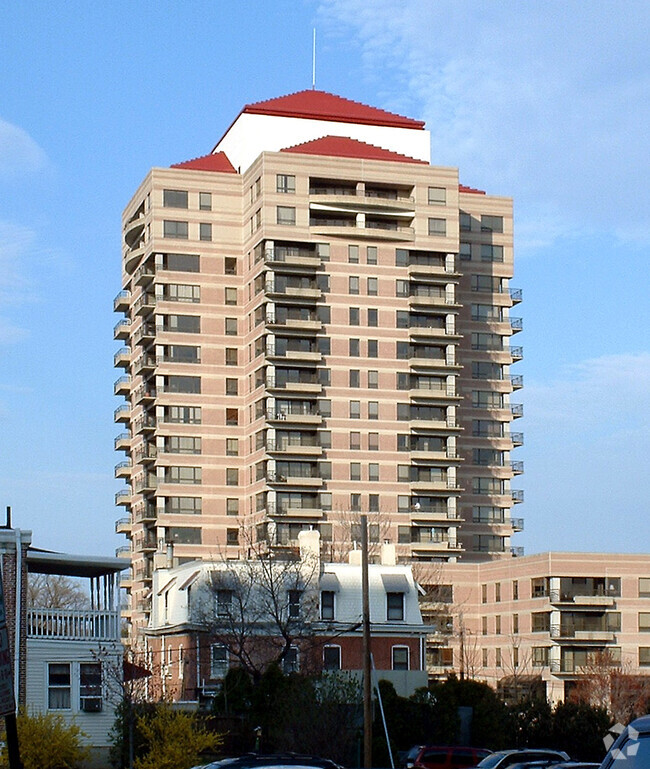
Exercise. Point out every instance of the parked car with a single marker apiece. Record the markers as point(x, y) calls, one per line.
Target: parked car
point(537, 756)
point(272, 761)
point(631, 750)
point(575, 765)
point(407, 758)
point(447, 757)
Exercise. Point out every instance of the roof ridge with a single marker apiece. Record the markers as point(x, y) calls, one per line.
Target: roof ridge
point(356, 142)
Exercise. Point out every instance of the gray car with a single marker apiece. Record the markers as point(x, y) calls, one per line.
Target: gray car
point(538, 756)
point(632, 748)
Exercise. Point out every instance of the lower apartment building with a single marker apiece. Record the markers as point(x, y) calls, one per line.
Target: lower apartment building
point(540, 621)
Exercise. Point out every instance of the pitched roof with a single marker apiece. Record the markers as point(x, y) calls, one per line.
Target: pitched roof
point(320, 105)
point(343, 147)
point(216, 161)
point(472, 190)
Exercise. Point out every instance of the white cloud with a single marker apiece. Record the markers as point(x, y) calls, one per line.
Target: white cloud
point(16, 243)
point(515, 95)
point(10, 333)
point(19, 153)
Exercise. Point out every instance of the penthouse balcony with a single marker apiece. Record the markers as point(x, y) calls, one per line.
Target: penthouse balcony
point(517, 467)
point(516, 295)
point(517, 495)
point(516, 324)
point(371, 199)
point(517, 552)
point(516, 353)
point(71, 625)
point(517, 410)
point(338, 222)
point(122, 301)
point(517, 524)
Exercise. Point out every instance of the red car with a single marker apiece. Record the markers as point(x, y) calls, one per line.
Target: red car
point(448, 757)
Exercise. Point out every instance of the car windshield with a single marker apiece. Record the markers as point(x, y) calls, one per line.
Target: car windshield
point(635, 752)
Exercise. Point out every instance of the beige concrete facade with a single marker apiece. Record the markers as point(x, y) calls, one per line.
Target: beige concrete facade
point(550, 616)
point(310, 338)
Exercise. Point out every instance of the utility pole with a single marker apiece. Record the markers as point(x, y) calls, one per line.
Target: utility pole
point(367, 685)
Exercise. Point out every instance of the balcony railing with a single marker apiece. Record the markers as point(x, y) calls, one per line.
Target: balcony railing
point(517, 410)
point(121, 301)
point(516, 324)
point(516, 295)
point(517, 353)
point(517, 439)
point(517, 381)
point(517, 552)
point(517, 524)
point(70, 625)
point(517, 495)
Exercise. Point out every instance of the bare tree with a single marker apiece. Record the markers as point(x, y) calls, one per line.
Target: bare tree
point(260, 609)
point(54, 591)
point(347, 534)
point(606, 683)
point(519, 682)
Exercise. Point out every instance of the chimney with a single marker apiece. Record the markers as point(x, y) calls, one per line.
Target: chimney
point(388, 557)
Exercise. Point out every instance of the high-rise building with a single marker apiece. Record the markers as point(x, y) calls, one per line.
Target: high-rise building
point(317, 324)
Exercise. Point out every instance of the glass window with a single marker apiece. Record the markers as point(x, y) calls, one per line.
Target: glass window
point(58, 686)
point(353, 254)
point(232, 506)
point(205, 201)
point(218, 658)
point(373, 380)
point(465, 254)
point(175, 198)
point(231, 326)
point(355, 440)
point(437, 227)
point(231, 356)
point(355, 471)
point(373, 346)
point(353, 284)
point(355, 378)
point(327, 605)
point(644, 587)
point(373, 441)
point(400, 658)
point(353, 345)
point(644, 622)
point(371, 254)
point(285, 183)
point(232, 476)
point(355, 409)
point(373, 409)
point(286, 215)
point(205, 231)
point(232, 386)
point(373, 471)
point(372, 317)
point(353, 316)
point(394, 606)
point(372, 286)
point(183, 505)
point(465, 222)
point(331, 658)
point(232, 447)
point(182, 262)
point(437, 196)
point(173, 229)
point(491, 223)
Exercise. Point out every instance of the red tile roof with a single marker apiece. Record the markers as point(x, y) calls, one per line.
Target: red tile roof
point(472, 190)
point(216, 161)
point(343, 147)
point(320, 105)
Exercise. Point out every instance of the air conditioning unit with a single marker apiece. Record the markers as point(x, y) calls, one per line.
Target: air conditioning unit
point(91, 704)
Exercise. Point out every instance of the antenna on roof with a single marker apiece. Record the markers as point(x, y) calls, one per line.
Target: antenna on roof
point(313, 62)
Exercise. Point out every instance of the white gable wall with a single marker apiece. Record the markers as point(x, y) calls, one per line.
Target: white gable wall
point(252, 134)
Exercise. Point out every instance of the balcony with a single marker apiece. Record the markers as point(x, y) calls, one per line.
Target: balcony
point(71, 625)
point(515, 295)
point(517, 467)
point(420, 515)
point(144, 334)
point(123, 525)
point(293, 257)
point(517, 495)
point(121, 329)
point(146, 453)
point(516, 353)
point(517, 552)
point(517, 410)
point(123, 497)
point(146, 362)
point(122, 386)
point(298, 417)
point(516, 325)
point(434, 392)
point(133, 230)
point(604, 601)
point(145, 423)
point(123, 469)
point(123, 442)
point(146, 483)
point(436, 544)
point(517, 524)
point(301, 481)
point(123, 551)
point(573, 634)
point(295, 449)
point(371, 200)
point(313, 388)
point(122, 358)
point(439, 484)
point(122, 301)
point(445, 423)
point(145, 303)
point(144, 274)
point(517, 439)
point(295, 324)
point(389, 229)
point(122, 413)
point(145, 513)
point(432, 300)
point(145, 393)
point(516, 381)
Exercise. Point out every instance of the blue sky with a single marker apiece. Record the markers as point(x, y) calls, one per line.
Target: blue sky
point(547, 102)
